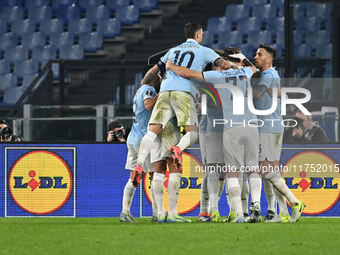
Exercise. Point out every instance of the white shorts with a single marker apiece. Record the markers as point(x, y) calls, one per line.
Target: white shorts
point(131, 159)
point(270, 146)
point(177, 104)
point(211, 144)
point(170, 136)
point(241, 147)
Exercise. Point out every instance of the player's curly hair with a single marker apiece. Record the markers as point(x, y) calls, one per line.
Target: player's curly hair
point(230, 51)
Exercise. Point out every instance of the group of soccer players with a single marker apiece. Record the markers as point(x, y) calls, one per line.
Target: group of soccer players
point(238, 145)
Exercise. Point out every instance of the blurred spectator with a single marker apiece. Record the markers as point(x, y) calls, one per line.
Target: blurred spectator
point(116, 133)
point(306, 131)
point(6, 133)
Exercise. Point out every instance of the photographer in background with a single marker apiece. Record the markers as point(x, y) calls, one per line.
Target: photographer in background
point(116, 133)
point(6, 133)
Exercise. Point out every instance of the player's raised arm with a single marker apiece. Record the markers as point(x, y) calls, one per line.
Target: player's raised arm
point(185, 72)
point(150, 102)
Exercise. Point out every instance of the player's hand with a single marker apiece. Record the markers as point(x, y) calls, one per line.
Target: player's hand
point(168, 65)
point(110, 136)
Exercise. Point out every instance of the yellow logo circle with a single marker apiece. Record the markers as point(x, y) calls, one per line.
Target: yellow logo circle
point(40, 182)
point(190, 191)
point(313, 177)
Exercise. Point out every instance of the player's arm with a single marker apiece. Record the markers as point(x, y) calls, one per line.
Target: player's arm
point(185, 72)
point(259, 91)
point(270, 91)
point(222, 63)
point(149, 103)
point(149, 76)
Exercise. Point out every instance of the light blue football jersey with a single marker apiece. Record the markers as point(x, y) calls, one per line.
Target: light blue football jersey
point(270, 79)
point(141, 115)
point(189, 54)
point(236, 77)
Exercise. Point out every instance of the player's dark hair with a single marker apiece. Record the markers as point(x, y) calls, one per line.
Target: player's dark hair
point(230, 51)
point(190, 30)
point(3, 122)
point(269, 49)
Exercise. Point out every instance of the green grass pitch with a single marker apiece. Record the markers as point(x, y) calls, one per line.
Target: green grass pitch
point(108, 236)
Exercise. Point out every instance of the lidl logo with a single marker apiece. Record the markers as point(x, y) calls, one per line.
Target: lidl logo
point(314, 178)
point(40, 182)
point(190, 189)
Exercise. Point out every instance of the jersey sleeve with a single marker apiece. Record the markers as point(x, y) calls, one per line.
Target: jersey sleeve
point(210, 55)
point(247, 71)
point(212, 76)
point(165, 58)
point(266, 79)
point(149, 93)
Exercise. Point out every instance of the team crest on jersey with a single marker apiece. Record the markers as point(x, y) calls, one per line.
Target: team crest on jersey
point(314, 178)
point(149, 93)
point(190, 190)
point(40, 183)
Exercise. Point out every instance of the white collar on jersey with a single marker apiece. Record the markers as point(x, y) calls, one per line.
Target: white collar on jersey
point(191, 40)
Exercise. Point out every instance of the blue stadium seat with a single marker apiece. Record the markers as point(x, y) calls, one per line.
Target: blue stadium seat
point(90, 3)
point(324, 50)
point(27, 80)
point(40, 13)
point(279, 38)
point(14, 54)
point(320, 37)
point(233, 38)
point(254, 2)
point(256, 38)
point(299, 10)
point(96, 13)
point(217, 25)
point(11, 2)
point(237, 11)
point(52, 26)
point(277, 24)
point(23, 27)
point(298, 37)
point(114, 4)
point(69, 12)
point(28, 66)
point(109, 28)
point(34, 40)
point(78, 26)
point(249, 24)
point(248, 50)
point(36, 3)
point(61, 39)
point(3, 26)
point(128, 15)
point(12, 14)
point(302, 51)
point(8, 80)
point(264, 11)
point(91, 42)
point(322, 10)
point(208, 38)
point(146, 5)
point(12, 94)
point(44, 54)
point(57, 3)
point(308, 24)
point(4, 67)
point(8, 40)
point(73, 52)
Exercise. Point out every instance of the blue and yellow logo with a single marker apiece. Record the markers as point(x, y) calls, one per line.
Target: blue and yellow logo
point(314, 178)
point(190, 189)
point(40, 182)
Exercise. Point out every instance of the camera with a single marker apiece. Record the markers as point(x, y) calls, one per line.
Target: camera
point(118, 133)
point(6, 132)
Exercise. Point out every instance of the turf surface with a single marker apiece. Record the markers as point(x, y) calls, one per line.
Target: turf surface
point(109, 236)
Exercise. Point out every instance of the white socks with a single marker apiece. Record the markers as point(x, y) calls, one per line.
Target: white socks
point(154, 205)
point(234, 191)
point(255, 187)
point(213, 180)
point(158, 189)
point(173, 192)
point(269, 191)
point(145, 147)
point(281, 200)
point(280, 185)
point(129, 191)
point(204, 195)
point(187, 140)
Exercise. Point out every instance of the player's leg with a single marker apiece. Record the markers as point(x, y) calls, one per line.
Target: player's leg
point(150, 169)
point(245, 194)
point(158, 188)
point(272, 144)
point(129, 189)
point(184, 109)
point(221, 183)
point(161, 114)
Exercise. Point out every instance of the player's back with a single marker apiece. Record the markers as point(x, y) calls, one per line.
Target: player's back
point(141, 115)
point(270, 79)
point(189, 54)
